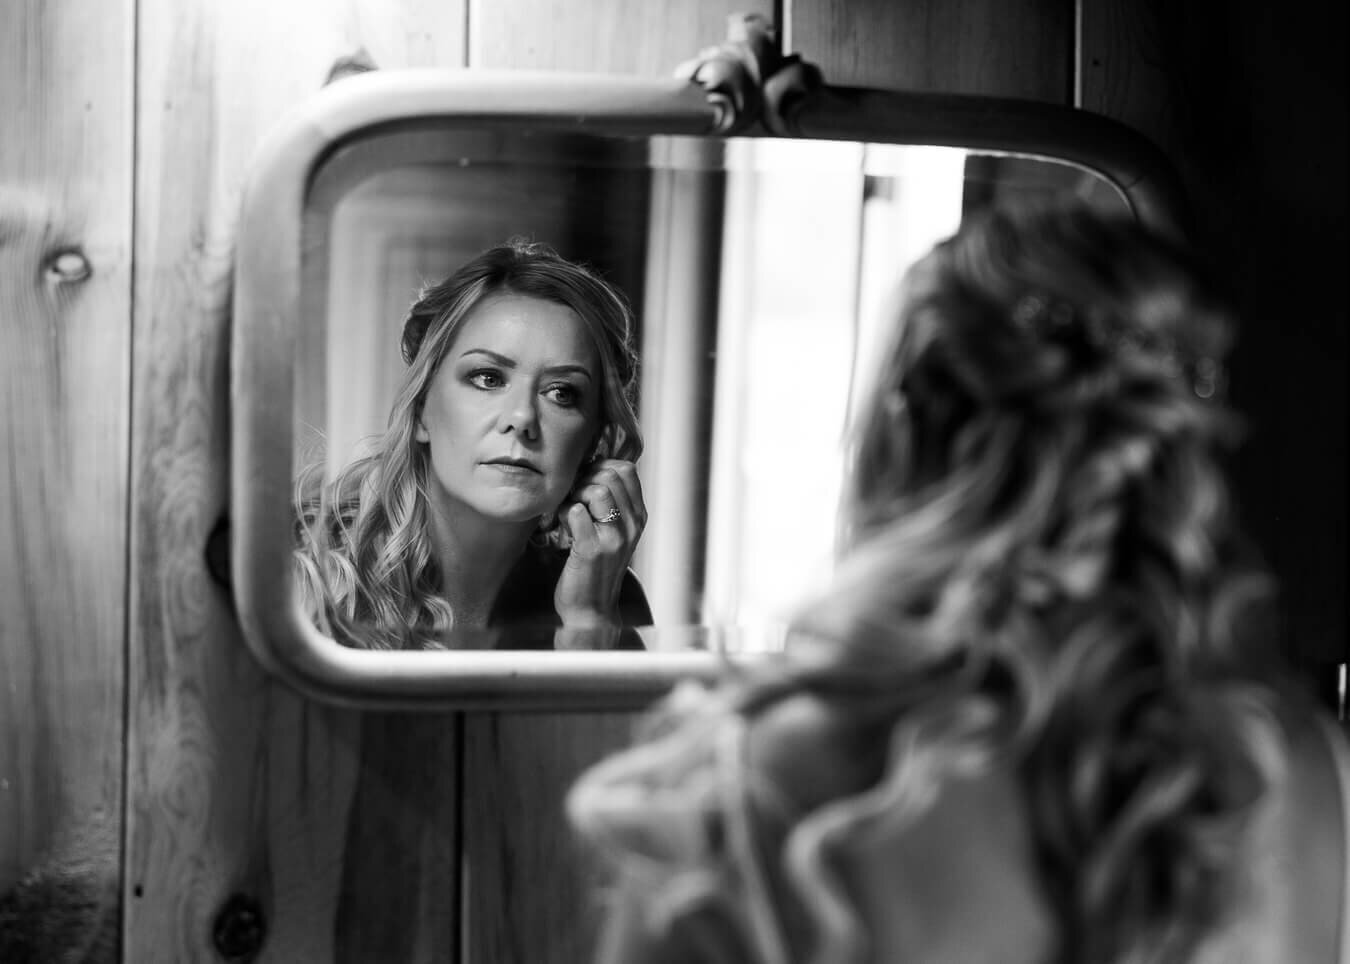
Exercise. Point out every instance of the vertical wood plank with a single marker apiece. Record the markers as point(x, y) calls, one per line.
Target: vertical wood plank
point(533, 890)
point(1249, 102)
point(400, 898)
point(1127, 71)
point(65, 337)
point(607, 36)
point(236, 786)
point(1007, 48)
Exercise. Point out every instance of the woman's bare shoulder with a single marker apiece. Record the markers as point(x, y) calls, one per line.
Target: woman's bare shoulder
point(957, 882)
point(1291, 902)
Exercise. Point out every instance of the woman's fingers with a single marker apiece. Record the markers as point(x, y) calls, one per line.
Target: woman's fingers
point(612, 494)
point(609, 510)
point(622, 478)
point(605, 520)
point(588, 589)
point(585, 538)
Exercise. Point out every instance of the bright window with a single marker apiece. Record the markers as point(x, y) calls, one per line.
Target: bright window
point(817, 234)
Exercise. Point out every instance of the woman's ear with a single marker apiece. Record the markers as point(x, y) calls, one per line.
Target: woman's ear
point(420, 432)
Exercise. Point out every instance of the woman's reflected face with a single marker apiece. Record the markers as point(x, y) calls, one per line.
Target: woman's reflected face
point(513, 409)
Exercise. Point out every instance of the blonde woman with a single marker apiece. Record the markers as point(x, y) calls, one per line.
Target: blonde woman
point(1030, 719)
point(503, 494)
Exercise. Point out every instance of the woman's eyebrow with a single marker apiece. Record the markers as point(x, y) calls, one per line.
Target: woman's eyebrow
point(569, 370)
point(499, 359)
point(505, 362)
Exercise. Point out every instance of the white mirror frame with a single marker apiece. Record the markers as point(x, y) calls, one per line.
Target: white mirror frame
point(267, 312)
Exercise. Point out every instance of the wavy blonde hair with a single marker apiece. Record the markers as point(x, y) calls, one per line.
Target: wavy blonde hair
point(366, 566)
point(1038, 564)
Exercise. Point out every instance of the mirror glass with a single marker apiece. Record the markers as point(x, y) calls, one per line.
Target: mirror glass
point(760, 271)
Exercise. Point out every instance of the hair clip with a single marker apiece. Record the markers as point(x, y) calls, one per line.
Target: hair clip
point(1209, 378)
point(1040, 315)
point(1044, 317)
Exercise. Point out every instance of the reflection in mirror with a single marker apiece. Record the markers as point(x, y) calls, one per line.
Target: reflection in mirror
point(760, 271)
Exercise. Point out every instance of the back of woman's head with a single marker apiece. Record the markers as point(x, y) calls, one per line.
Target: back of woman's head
point(1037, 569)
point(1035, 494)
point(1046, 421)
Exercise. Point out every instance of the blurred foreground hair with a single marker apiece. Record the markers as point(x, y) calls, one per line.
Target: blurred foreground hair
point(1038, 567)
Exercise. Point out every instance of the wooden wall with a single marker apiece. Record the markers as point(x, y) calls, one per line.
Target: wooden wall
point(1017, 48)
point(140, 745)
point(66, 95)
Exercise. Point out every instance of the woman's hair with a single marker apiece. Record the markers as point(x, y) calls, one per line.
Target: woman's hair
point(1038, 565)
point(367, 567)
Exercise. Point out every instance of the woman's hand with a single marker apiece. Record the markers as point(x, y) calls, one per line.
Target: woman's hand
point(605, 523)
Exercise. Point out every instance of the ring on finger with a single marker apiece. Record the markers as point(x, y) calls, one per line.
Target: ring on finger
point(610, 516)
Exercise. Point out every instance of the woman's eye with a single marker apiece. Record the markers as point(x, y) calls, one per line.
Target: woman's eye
point(564, 395)
point(486, 378)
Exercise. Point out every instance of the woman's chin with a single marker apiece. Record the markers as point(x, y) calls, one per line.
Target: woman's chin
point(518, 511)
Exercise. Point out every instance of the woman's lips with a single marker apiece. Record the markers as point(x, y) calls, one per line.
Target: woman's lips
point(512, 467)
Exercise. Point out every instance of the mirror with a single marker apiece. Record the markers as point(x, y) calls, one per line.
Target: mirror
point(752, 263)
point(759, 268)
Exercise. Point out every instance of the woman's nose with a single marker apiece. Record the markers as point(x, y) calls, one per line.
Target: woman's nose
point(520, 413)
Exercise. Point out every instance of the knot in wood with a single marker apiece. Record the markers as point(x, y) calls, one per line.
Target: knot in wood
point(68, 265)
point(240, 929)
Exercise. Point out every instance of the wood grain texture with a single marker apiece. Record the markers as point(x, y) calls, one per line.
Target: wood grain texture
point(608, 36)
point(65, 338)
point(235, 784)
point(1007, 48)
point(1126, 72)
point(401, 878)
point(533, 889)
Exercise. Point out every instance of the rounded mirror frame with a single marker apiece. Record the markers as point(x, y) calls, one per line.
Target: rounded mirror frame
point(267, 311)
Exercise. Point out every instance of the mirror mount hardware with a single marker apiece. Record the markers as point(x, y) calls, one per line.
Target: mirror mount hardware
point(749, 80)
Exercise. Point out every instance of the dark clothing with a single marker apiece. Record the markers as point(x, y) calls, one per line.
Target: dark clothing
point(524, 613)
